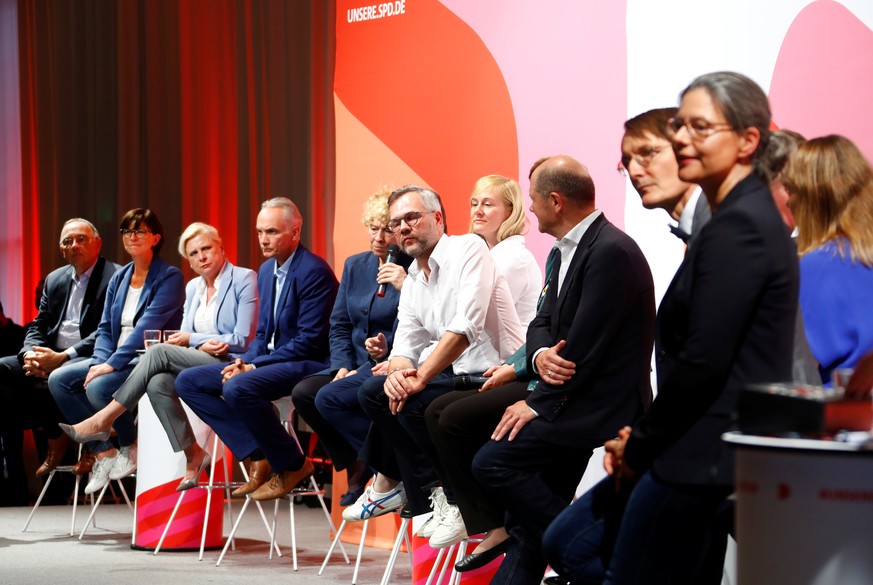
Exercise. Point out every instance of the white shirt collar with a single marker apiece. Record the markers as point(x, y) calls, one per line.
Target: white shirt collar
point(85, 276)
point(574, 236)
point(282, 271)
point(201, 282)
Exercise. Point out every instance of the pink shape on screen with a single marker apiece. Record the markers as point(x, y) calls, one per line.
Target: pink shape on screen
point(564, 63)
point(823, 78)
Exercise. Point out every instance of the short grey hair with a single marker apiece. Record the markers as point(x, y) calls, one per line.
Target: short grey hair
point(292, 213)
point(743, 104)
point(197, 229)
point(82, 220)
point(430, 198)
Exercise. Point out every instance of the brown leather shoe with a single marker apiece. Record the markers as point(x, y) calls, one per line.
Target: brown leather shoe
point(85, 463)
point(259, 473)
point(56, 450)
point(282, 483)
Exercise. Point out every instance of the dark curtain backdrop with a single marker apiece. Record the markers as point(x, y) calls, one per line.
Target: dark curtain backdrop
point(197, 109)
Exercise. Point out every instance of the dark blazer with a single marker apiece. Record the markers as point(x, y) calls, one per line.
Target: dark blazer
point(303, 313)
point(606, 312)
point(43, 331)
point(160, 307)
point(358, 313)
point(726, 320)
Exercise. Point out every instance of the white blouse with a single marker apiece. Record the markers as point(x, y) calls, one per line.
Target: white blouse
point(516, 263)
point(128, 312)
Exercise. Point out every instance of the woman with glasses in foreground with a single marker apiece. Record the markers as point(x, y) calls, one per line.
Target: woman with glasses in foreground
point(726, 320)
point(145, 294)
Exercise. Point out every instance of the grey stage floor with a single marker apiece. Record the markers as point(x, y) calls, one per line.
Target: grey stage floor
point(47, 554)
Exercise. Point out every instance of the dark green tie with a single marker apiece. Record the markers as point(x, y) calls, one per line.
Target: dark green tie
point(553, 260)
point(554, 256)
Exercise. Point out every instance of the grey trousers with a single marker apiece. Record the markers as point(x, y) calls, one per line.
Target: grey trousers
point(155, 374)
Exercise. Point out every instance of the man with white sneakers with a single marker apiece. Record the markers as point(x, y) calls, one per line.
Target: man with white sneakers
point(455, 318)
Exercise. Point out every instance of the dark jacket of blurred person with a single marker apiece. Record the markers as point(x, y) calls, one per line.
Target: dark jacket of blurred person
point(11, 335)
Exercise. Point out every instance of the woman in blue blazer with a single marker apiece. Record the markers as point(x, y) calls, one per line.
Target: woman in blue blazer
point(361, 333)
point(220, 318)
point(830, 186)
point(145, 294)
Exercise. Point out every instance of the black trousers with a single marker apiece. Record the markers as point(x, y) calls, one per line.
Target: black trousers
point(27, 403)
point(342, 454)
point(534, 480)
point(460, 423)
point(405, 435)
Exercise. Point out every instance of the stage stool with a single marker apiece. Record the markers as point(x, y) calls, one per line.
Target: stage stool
point(402, 535)
point(312, 490)
point(58, 469)
point(285, 410)
point(286, 413)
point(445, 561)
point(210, 486)
point(95, 505)
point(336, 539)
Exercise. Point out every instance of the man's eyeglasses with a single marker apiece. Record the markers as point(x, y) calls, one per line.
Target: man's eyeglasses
point(81, 240)
point(698, 128)
point(139, 233)
point(643, 158)
point(411, 219)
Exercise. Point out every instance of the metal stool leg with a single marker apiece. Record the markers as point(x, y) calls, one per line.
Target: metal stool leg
point(437, 563)
point(392, 560)
point(39, 500)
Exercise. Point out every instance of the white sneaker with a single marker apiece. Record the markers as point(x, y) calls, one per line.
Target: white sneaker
point(438, 504)
point(124, 464)
point(450, 530)
point(100, 474)
point(372, 504)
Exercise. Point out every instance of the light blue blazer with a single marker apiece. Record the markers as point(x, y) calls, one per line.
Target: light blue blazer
point(236, 318)
point(160, 307)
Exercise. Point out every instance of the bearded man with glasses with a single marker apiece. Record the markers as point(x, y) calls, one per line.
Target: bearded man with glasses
point(455, 318)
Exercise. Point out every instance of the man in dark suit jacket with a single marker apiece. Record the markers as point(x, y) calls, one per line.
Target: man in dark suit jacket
point(63, 332)
point(590, 344)
point(297, 290)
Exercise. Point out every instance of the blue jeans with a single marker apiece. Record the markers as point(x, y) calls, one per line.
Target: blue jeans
point(78, 403)
point(670, 534)
point(338, 403)
point(240, 410)
point(405, 434)
point(578, 544)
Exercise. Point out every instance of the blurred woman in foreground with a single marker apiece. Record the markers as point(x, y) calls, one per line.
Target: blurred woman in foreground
point(726, 320)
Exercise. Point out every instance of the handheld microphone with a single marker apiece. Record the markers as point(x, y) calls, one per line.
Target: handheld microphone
point(393, 253)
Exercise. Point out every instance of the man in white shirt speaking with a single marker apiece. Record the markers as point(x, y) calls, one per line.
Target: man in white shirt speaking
point(455, 318)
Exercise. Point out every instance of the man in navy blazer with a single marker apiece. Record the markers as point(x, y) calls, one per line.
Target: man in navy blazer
point(63, 332)
point(297, 290)
point(590, 346)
